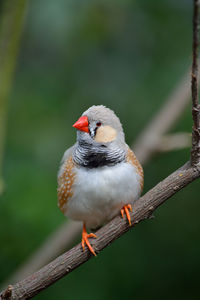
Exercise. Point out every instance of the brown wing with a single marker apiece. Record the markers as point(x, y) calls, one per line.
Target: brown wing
point(65, 181)
point(132, 159)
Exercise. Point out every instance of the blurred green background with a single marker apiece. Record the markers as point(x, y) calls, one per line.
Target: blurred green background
point(127, 55)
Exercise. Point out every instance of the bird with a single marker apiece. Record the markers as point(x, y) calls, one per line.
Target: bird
point(99, 176)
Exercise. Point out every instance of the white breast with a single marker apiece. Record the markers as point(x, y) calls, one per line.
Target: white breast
point(100, 193)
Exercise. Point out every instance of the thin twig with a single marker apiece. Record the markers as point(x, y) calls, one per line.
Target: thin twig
point(195, 152)
point(174, 141)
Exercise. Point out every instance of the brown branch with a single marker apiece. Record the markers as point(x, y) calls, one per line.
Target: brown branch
point(195, 152)
point(142, 208)
point(64, 264)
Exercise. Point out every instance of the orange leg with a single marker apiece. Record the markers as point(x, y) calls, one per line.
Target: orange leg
point(125, 209)
point(85, 237)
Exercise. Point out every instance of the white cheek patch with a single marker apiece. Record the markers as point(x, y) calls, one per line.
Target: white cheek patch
point(105, 134)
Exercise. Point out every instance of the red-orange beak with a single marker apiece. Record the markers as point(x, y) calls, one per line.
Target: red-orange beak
point(82, 124)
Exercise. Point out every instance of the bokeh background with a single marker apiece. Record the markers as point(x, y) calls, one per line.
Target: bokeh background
point(129, 56)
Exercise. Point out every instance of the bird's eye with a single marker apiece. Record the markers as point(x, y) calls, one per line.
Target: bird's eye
point(98, 124)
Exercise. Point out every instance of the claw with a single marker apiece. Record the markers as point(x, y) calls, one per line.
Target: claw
point(85, 240)
point(125, 209)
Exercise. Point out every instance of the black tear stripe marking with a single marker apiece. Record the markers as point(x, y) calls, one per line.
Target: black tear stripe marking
point(93, 132)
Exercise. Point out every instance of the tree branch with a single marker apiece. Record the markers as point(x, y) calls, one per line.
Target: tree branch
point(142, 208)
point(195, 152)
point(66, 263)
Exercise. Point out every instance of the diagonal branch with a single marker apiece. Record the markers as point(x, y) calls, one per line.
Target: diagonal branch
point(66, 263)
point(143, 208)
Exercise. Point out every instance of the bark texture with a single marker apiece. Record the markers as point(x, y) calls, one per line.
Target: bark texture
point(142, 208)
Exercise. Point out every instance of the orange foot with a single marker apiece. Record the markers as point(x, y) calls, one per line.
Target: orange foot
point(85, 237)
point(125, 209)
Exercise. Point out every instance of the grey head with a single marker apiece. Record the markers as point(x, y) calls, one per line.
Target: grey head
point(101, 140)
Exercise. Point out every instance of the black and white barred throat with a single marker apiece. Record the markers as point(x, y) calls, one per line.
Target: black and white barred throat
point(90, 155)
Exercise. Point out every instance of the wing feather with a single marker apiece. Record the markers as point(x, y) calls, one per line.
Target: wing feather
point(132, 159)
point(66, 176)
